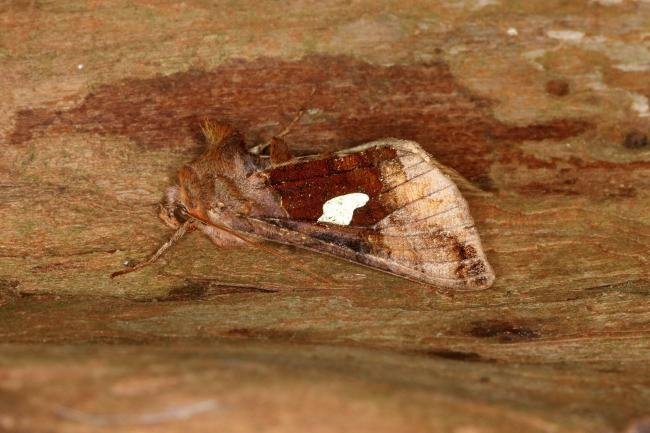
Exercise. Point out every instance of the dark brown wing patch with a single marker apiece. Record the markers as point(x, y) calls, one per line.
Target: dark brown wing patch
point(304, 186)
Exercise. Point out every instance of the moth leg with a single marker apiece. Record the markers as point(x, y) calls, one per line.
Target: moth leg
point(221, 238)
point(279, 151)
point(179, 233)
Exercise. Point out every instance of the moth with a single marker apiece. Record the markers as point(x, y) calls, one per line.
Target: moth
point(386, 204)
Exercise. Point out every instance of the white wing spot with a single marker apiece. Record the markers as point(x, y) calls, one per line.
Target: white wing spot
point(339, 210)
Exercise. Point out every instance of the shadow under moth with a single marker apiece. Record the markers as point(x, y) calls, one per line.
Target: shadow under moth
point(386, 204)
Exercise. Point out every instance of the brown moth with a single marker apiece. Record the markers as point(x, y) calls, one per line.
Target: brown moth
point(385, 204)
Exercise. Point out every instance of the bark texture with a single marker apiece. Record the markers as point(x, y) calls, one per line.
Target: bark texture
point(541, 106)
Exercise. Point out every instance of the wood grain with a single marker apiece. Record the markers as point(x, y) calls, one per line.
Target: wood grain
point(102, 102)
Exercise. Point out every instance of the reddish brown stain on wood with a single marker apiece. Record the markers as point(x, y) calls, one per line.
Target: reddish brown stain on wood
point(573, 176)
point(356, 102)
point(558, 129)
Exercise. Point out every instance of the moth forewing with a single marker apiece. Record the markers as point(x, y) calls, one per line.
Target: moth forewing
point(415, 223)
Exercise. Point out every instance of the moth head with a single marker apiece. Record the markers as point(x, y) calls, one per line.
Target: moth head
point(172, 210)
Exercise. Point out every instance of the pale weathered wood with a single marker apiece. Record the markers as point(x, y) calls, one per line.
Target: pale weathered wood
point(542, 107)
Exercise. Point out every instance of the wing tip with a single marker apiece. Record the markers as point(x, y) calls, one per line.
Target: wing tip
point(479, 276)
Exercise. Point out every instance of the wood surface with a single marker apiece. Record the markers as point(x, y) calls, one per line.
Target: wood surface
point(541, 106)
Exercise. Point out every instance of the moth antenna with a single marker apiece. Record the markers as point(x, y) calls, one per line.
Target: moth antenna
point(179, 233)
point(238, 235)
point(287, 128)
point(257, 150)
point(215, 133)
